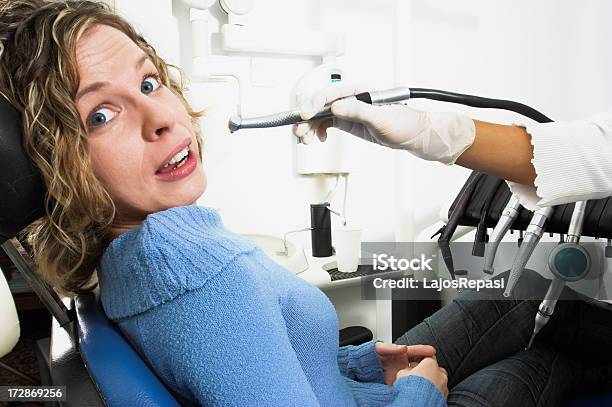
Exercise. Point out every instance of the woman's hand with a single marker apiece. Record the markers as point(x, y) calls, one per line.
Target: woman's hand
point(395, 358)
point(429, 369)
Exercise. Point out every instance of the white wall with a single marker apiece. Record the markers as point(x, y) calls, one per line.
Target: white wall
point(252, 175)
point(588, 58)
point(550, 54)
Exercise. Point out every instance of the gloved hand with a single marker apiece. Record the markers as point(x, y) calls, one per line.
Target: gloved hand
point(431, 136)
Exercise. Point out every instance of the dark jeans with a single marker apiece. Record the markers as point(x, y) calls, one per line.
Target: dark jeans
point(481, 343)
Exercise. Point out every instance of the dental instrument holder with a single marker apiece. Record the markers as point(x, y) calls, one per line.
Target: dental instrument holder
point(568, 262)
point(320, 233)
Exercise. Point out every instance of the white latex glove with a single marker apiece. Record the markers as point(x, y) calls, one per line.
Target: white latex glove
point(431, 136)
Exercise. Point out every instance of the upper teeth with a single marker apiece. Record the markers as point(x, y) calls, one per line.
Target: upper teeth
point(178, 157)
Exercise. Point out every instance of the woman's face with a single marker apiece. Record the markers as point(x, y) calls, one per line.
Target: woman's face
point(141, 139)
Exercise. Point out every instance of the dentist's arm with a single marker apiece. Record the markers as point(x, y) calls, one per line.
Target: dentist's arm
point(449, 138)
point(502, 151)
point(545, 164)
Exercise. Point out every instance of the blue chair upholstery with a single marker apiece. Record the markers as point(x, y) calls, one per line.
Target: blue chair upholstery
point(122, 377)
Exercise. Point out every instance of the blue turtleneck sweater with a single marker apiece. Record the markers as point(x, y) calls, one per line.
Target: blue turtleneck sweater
point(224, 325)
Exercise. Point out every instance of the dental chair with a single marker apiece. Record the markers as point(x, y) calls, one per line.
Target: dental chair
point(88, 353)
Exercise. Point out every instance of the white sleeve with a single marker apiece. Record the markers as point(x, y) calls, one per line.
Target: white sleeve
point(572, 161)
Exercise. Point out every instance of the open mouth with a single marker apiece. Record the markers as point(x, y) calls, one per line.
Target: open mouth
point(176, 162)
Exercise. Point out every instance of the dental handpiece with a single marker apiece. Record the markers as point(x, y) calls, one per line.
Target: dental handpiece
point(547, 306)
point(386, 97)
point(381, 97)
point(509, 214)
point(534, 232)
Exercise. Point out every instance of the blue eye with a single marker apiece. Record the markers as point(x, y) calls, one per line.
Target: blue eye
point(149, 84)
point(100, 117)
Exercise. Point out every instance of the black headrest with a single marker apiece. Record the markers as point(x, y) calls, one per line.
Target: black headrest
point(21, 186)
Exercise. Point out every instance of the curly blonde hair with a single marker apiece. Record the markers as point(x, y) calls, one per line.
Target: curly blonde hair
point(39, 77)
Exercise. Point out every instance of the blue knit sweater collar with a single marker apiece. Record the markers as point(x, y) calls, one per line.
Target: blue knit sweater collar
point(159, 260)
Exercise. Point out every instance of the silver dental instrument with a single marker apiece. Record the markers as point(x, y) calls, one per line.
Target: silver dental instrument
point(381, 97)
point(509, 214)
point(533, 233)
point(568, 262)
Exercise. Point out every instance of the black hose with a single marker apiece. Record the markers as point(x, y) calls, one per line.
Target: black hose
point(480, 102)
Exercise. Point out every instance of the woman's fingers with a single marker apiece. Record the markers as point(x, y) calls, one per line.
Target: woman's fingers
point(428, 368)
point(387, 349)
point(421, 351)
point(416, 352)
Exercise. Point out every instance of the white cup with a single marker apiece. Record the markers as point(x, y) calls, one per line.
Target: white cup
point(348, 248)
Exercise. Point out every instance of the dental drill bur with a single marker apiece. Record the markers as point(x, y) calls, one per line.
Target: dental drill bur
point(568, 262)
point(509, 214)
point(288, 117)
point(533, 233)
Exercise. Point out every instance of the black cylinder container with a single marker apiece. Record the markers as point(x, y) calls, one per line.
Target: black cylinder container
point(320, 221)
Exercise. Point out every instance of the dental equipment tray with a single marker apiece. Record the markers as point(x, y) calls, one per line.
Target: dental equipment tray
point(490, 195)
